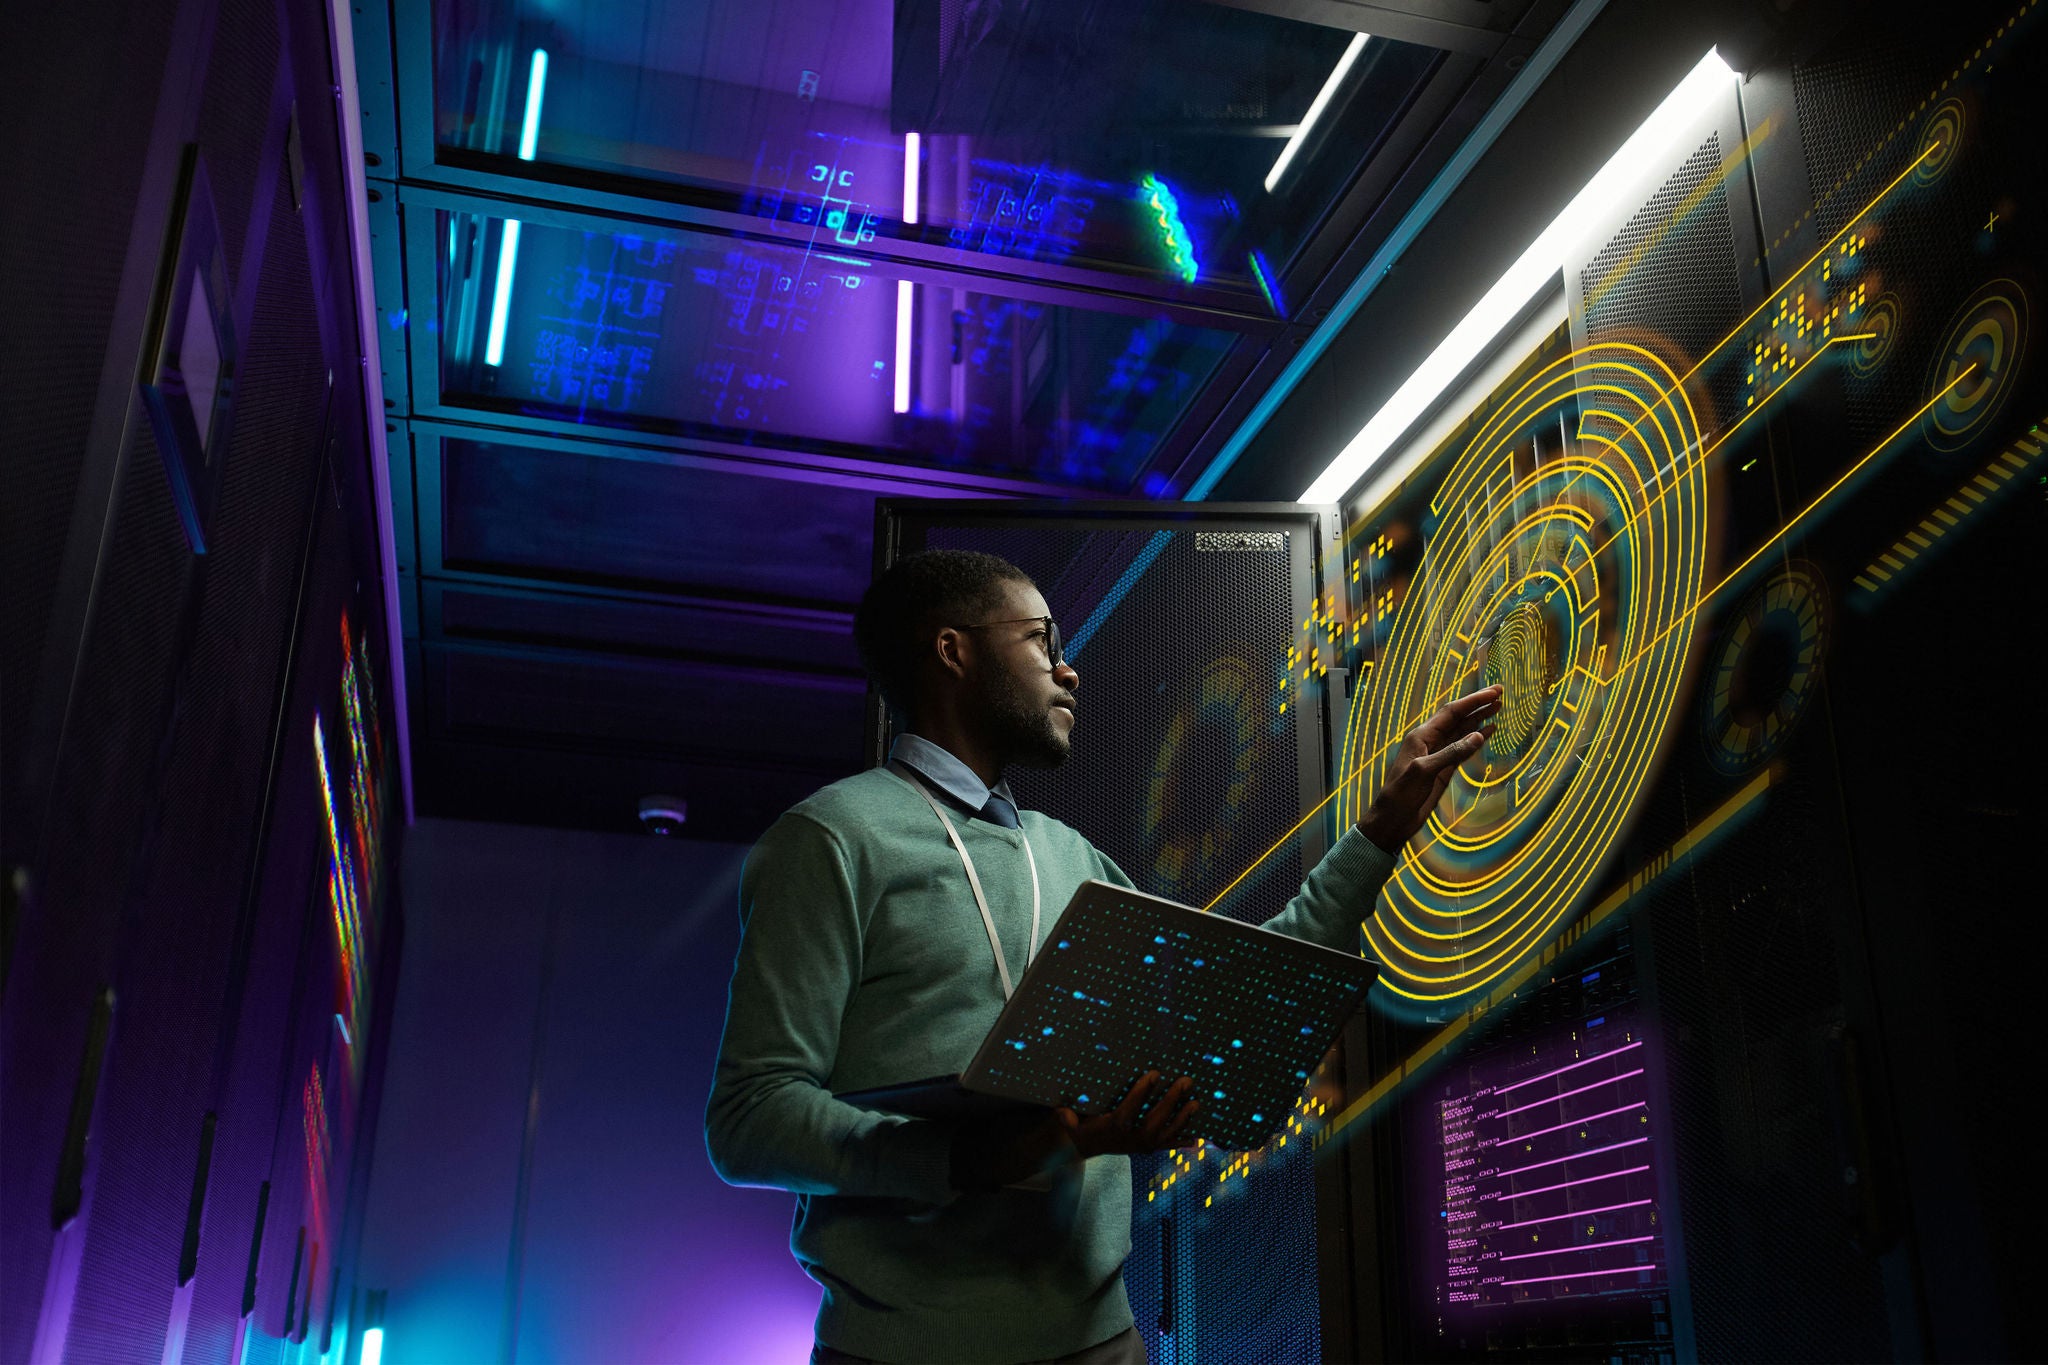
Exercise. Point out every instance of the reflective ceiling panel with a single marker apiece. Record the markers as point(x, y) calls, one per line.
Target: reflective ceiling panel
point(1173, 139)
point(814, 347)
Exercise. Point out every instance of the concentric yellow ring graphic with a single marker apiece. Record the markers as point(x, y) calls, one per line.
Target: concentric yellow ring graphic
point(1573, 583)
point(1987, 340)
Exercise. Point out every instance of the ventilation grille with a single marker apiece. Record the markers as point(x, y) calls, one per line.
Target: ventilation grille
point(1667, 280)
point(1861, 117)
point(1766, 1220)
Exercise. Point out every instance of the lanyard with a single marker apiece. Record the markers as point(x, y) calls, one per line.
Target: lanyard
point(981, 901)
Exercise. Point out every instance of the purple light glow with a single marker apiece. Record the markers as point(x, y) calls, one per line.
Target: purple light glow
point(910, 157)
point(1568, 1094)
point(1526, 1194)
point(1480, 1243)
point(1573, 1067)
point(1582, 1274)
point(904, 290)
point(1605, 1113)
point(1576, 1213)
point(1586, 1246)
point(1575, 1156)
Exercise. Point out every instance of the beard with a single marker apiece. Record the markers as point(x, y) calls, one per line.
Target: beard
point(1024, 730)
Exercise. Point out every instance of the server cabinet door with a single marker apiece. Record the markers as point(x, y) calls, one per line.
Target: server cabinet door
point(1204, 635)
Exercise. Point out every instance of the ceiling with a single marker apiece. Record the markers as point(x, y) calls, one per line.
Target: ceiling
point(669, 306)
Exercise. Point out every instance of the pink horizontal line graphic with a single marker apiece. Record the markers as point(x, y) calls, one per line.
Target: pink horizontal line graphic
point(1576, 1213)
point(1586, 1246)
point(1607, 1113)
point(1595, 1085)
point(1524, 1194)
point(1627, 1047)
point(1575, 1156)
point(1581, 1274)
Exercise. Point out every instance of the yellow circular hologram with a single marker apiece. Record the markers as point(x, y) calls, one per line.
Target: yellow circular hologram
point(1765, 667)
point(1880, 328)
point(1571, 581)
point(1941, 134)
point(1984, 347)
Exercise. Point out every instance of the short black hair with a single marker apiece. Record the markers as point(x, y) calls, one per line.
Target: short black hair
point(913, 597)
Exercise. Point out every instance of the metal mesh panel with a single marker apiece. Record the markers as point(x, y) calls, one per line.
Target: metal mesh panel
point(234, 117)
point(207, 791)
point(61, 254)
point(1667, 280)
point(96, 813)
point(1183, 770)
point(1747, 988)
point(1861, 114)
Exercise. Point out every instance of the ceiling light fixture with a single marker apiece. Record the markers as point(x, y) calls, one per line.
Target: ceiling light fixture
point(508, 244)
point(905, 290)
point(910, 159)
point(1315, 109)
point(1646, 148)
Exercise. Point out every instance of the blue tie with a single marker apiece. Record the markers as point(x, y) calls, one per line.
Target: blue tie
point(998, 811)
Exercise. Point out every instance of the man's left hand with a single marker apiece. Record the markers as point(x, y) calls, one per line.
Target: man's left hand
point(1424, 764)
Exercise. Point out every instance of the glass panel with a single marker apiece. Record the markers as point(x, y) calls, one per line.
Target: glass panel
point(1138, 136)
point(740, 341)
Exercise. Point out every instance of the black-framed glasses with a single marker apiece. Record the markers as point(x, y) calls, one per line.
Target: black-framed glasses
point(1052, 634)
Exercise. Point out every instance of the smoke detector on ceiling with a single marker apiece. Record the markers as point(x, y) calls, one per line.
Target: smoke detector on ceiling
point(663, 815)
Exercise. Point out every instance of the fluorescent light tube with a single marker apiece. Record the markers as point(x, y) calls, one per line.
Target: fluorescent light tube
point(508, 247)
point(1315, 110)
point(910, 152)
point(501, 296)
point(1525, 278)
point(536, 83)
point(903, 288)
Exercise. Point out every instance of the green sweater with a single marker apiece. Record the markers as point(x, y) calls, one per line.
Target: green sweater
point(863, 963)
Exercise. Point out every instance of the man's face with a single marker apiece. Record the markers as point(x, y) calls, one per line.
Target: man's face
point(1027, 703)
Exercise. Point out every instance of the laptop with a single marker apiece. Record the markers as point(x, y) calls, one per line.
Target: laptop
point(1126, 983)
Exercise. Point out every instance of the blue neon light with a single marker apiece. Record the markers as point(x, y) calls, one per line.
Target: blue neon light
point(536, 82)
point(501, 293)
point(508, 245)
point(1173, 233)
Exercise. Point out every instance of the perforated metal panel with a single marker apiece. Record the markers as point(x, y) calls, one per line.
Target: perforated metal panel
point(1183, 770)
point(1745, 978)
point(1863, 109)
point(1667, 280)
point(206, 787)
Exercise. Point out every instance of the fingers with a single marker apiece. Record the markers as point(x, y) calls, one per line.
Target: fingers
point(1461, 714)
point(1172, 1136)
point(1165, 1113)
point(1452, 754)
point(1133, 1104)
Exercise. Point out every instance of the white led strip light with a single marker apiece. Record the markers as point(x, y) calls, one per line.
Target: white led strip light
point(1527, 277)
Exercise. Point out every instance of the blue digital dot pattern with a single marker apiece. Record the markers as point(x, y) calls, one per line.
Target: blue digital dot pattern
point(1127, 983)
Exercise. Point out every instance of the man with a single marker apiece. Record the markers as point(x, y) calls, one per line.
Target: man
point(884, 921)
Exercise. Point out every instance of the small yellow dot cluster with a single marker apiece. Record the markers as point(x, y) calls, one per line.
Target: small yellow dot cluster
point(1323, 625)
point(1300, 1123)
point(1793, 324)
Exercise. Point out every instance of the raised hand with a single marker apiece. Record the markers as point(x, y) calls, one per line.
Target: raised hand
point(1423, 765)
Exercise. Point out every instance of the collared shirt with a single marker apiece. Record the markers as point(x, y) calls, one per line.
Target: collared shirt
point(948, 774)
